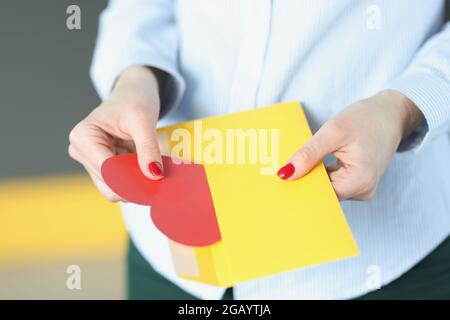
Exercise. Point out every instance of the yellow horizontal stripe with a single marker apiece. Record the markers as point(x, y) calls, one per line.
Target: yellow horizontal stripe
point(54, 217)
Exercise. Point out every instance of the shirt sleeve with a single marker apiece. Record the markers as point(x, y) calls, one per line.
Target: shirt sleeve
point(138, 32)
point(426, 82)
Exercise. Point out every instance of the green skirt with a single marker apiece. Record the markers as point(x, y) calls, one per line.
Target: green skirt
point(429, 279)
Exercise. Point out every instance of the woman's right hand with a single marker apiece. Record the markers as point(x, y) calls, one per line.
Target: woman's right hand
point(125, 122)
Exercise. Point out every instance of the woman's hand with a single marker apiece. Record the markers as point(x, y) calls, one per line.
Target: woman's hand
point(363, 138)
point(125, 122)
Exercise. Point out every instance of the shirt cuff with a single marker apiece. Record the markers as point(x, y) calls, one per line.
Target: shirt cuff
point(431, 94)
point(104, 75)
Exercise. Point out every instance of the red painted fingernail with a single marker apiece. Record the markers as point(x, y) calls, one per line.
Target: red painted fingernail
point(155, 168)
point(286, 172)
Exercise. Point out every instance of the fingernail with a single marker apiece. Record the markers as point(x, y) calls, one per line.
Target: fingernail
point(155, 168)
point(286, 172)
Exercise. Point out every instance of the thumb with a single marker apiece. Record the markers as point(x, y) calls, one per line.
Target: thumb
point(306, 158)
point(147, 148)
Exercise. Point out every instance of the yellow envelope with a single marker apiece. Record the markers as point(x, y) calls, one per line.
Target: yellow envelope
point(267, 225)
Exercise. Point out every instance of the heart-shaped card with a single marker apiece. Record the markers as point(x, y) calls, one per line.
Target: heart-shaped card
point(181, 203)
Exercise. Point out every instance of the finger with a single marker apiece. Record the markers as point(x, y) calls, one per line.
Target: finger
point(96, 178)
point(105, 190)
point(91, 145)
point(342, 189)
point(75, 154)
point(352, 185)
point(324, 142)
point(143, 133)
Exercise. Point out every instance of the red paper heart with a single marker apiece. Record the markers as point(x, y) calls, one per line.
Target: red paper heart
point(182, 207)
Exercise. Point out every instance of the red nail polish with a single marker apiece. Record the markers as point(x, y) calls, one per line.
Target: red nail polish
point(155, 168)
point(286, 172)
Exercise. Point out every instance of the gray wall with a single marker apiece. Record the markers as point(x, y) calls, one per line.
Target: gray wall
point(44, 83)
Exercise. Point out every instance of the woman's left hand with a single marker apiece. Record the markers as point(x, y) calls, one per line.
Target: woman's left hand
point(363, 138)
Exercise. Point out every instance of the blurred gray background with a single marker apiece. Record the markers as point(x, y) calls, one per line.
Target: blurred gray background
point(45, 90)
point(44, 83)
